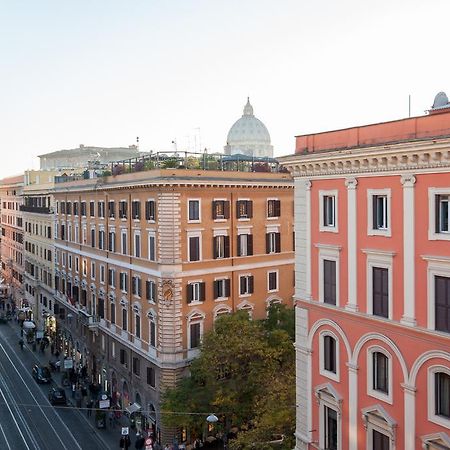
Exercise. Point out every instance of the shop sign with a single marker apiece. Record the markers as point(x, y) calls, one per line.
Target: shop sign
point(39, 334)
point(149, 444)
point(68, 363)
point(104, 404)
point(125, 431)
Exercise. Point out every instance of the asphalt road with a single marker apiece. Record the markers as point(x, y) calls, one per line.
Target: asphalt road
point(27, 420)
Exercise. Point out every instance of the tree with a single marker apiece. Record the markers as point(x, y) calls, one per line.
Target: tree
point(245, 374)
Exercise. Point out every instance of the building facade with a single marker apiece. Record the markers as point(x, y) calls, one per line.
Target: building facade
point(39, 250)
point(373, 285)
point(145, 262)
point(12, 261)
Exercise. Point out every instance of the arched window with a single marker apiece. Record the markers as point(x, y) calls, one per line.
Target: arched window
point(379, 374)
point(439, 395)
point(152, 340)
point(195, 329)
point(329, 355)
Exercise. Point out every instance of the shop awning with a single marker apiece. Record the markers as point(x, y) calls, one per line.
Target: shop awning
point(135, 407)
point(29, 325)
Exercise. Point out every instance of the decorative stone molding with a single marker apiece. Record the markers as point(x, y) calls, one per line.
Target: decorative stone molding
point(351, 183)
point(408, 180)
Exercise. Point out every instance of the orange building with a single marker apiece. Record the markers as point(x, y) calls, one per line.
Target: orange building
point(373, 285)
point(146, 261)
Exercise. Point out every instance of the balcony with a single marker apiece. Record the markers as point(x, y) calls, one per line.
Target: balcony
point(89, 320)
point(36, 209)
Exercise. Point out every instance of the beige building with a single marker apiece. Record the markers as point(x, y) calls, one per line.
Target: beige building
point(145, 262)
point(12, 261)
point(39, 251)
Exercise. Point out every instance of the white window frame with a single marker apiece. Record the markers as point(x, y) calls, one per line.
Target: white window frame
point(267, 207)
point(151, 235)
point(388, 398)
point(69, 258)
point(145, 208)
point(102, 208)
point(151, 300)
point(322, 227)
point(376, 418)
point(136, 234)
point(193, 318)
point(431, 441)
point(199, 210)
point(123, 232)
point(326, 373)
point(194, 234)
point(102, 273)
point(196, 283)
point(330, 253)
point(245, 275)
point(246, 232)
point(370, 197)
point(92, 270)
point(437, 266)
point(152, 318)
point(432, 235)
point(432, 417)
point(383, 260)
point(277, 288)
point(223, 281)
point(327, 396)
point(221, 219)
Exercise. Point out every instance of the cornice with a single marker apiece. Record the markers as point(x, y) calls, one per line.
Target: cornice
point(411, 156)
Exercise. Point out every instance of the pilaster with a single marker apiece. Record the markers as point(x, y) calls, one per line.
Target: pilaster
point(352, 303)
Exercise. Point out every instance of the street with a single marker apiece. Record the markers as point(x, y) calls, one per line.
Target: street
point(27, 420)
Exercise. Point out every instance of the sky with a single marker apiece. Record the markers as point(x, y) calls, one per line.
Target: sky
point(103, 72)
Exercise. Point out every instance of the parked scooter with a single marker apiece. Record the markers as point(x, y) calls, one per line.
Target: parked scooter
point(55, 366)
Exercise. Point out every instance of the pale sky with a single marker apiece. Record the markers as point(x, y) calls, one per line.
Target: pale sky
point(103, 72)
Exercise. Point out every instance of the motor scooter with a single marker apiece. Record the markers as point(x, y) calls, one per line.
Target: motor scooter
point(55, 366)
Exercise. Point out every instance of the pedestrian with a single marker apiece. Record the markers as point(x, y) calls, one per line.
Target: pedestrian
point(111, 418)
point(140, 442)
point(167, 447)
point(125, 442)
point(74, 387)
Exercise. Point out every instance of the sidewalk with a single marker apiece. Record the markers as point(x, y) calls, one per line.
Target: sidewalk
point(109, 435)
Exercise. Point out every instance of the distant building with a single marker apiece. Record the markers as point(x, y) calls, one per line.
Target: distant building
point(80, 157)
point(372, 231)
point(249, 136)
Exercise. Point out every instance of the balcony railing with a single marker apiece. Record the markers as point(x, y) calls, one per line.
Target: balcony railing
point(36, 209)
point(89, 320)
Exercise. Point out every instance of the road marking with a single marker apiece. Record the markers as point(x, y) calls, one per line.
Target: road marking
point(39, 406)
point(6, 439)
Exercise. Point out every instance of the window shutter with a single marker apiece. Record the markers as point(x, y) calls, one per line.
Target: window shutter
point(278, 208)
point(250, 284)
point(437, 215)
point(249, 209)
point(267, 242)
point(215, 246)
point(216, 289)
point(238, 209)
point(239, 245)
point(324, 206)
point(227, 287)
point(226, 243)
point(242, 285)
point(190, 293)
point(277, 242)
point(147, 290)
point(374, 212)
point(202, 292)
point(214, 214)
point(153, 286)
point(139, 287)
point(249, 244)
point(147, 210)
point(226, 209)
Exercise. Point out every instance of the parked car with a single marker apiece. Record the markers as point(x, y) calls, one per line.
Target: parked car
point(57, 396)
point(41, 374)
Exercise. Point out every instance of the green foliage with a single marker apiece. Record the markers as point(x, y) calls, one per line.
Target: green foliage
point(192, 163)
point(170, 163)
point(246, 375)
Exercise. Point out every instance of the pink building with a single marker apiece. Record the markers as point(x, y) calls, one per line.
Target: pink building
point(372, 223)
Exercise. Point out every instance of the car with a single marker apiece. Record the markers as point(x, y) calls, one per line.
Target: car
point(41, 374)
point(57, 396)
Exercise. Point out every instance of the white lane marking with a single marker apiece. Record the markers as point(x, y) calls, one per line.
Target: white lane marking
point(39, 406)
point(6, 439)
point(15, 421)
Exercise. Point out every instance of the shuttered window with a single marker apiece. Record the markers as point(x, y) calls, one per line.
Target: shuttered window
point(195, 292)
point(380, 365)
point(195, 336)
point(380, 292)
point(329, 347)
point(329, 282)
point(380, 441)
point(221, 247)
point(220, 209)
point(150, 210)
point(273, 243)
point(273, 208)
point(194, 248)
point(246, 284)
point(245, 245)
point(442, 394)
point(442, 303)
point(244, 209)
point(221, 288)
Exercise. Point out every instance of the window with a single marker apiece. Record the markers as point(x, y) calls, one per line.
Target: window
point(195, 335)
point(330, 429)
point(244, 209)
point(221, 247)
point(442, 303)
point(123, 280)
point(137, 245)
point(136, 209)
point(220, 209)
point(113, 312)
point(69, 208)
point(137, 325)
point(151, 246)
point(136, 366)
point(328, 211)
point(123, 357)
point(272, 281)
point(102, 274)
point(112, 241)
point(123, 208)
point(136, 286)
point(152, 330)
point(221, 288)
point(380, 373)
point(75, 208)
point(111, 277)
point(151, 378)
point(101, 240)
point(273, 208)
point(380, 441)
point(123, 242)
point(93, 270)
point(442, 213)
point(150, 291)
point(195, 292)
point(194, 210)
point(111, 209)
point(101, 209)
point(124, 320)
point(245, 245)
point(92, 209)
point(273, 242)
point(194, 248)
point(246, 284)
point(83, 209)
point(439, 395)
point(380, 292)
point(380, 212)
point(150, 210)
point(92, 237)
point(329, 282)
point(329, 357)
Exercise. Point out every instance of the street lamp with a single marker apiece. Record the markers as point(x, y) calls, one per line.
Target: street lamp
point(212, 418)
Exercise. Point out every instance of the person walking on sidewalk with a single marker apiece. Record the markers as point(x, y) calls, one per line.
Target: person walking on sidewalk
point(89, 406)
point(125, 442)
